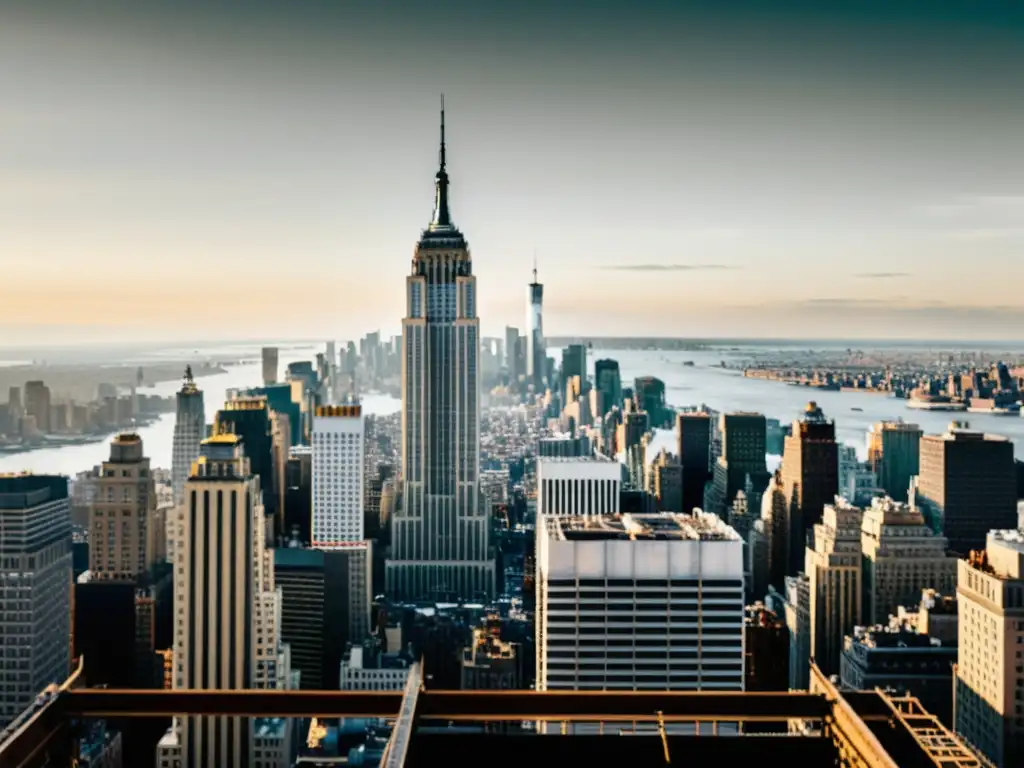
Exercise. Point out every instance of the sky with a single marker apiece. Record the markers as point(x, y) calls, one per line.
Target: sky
point(208, 170)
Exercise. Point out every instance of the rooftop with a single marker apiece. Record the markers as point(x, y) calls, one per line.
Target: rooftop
point(665, 526)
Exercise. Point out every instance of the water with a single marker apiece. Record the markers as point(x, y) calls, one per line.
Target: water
point(726, 390)
point(720, 389)
point(157, 438)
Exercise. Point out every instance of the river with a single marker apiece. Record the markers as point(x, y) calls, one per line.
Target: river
point(726, 390)
point(704, 382)
point(158, 437)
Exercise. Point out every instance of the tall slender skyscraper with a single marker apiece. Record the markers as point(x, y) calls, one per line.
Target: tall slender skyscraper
point(536, 352)
point(189, 431)
point(440, 534)
point(227, 628)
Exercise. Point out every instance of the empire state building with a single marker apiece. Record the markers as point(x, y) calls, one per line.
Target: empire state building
point(439, 536)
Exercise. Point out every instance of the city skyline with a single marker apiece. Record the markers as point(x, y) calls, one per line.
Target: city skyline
point(835, 173)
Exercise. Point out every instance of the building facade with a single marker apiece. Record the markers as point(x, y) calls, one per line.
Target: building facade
point(894, 454)
point(574, 487)
point(536, 350)
point(189, 431)
point(228, 622)
point(639, 602)
point(339, 448)
point(126, 535)
point(35, 588)
point(989, 678)
point(833, 568)
point(440, 536)
point(967, 486)
point(901, 557)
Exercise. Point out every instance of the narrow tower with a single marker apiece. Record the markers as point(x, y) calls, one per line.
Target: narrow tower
point(440, 533)
point(536, 353)
point(189, 431)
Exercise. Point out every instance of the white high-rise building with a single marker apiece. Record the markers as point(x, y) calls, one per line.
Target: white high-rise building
point(227, 630)
point(339, 445)
point(189, 431)
point(578, 486)
point(639, 602)
point(440, 534)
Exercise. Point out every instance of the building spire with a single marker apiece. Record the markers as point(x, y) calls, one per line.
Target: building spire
point(534, 266)
point(442, 216)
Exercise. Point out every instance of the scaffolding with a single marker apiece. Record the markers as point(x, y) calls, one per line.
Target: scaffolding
point(942, 745)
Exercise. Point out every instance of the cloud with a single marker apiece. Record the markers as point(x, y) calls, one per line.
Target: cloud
point(669, 267)
point(882, 275)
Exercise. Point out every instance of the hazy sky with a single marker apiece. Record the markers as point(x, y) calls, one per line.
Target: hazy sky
point(195, 169)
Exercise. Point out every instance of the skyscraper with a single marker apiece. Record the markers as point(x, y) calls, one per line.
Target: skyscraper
point(440, 535)
point(536, 353)
point(894, 453)
point(227, 629)
point(35, 588)
point(126, 537)
point(338, 476)
point(189, 431)
point(693, 433)
point(810, 476)
point(989, 682)
point(967, 486)
point(269, 356)
point(608, 382)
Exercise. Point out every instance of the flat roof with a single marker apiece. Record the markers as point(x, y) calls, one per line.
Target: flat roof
point(664, 526)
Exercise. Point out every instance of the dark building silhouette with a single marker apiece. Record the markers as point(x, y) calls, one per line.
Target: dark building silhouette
point(743, 455)
point(608, 381)
point(967, 486)
point(693, 437)
point(810, 477)
point(649, 393)
point(249, 418)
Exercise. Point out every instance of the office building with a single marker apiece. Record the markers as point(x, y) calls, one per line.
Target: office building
point(989, 678)
point(270, 365)
point(338, 475)
point(833, 568)
point(189, 431)
point(639, 602)
point(367, 668)
point(37, 404)
point(575, 487)
point(536, 350)
point(894, 455)
point(901, 557)
point(227, 627)
point(796, 605)
point(35, 588)
point(775, 516)
point(249, 418)
point(743, 455)
point(810, 477)
point(127, 532)
point(693, 434)
point(325, 605)
point(608, 381)
point(967, 486)
point(488, 664)
point(766, 650)
point(511, 340)
point(574, 363)
point(649, 394)
point(896, 657)
point(440, 535)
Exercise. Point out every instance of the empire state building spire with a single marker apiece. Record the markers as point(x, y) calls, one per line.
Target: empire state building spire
point(442, 217)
